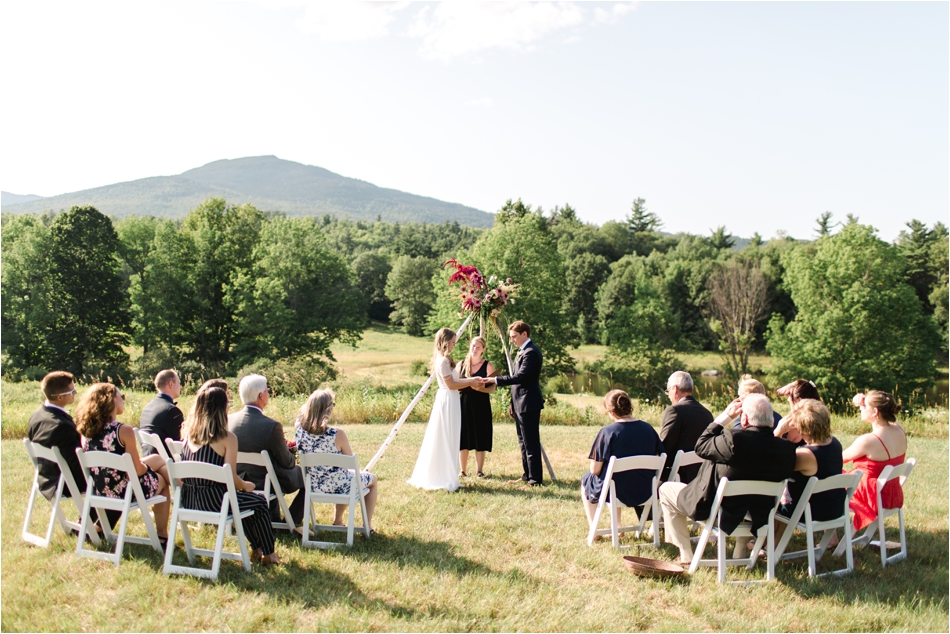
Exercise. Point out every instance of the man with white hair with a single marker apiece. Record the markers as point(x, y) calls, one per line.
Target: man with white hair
point(255, 433)
point(683, 422)
point(749, 453)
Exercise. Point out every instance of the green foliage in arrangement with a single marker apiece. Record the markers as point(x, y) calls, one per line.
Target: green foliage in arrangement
point(859, 324)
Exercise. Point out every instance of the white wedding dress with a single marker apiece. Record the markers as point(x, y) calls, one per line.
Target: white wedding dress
point(438, 464)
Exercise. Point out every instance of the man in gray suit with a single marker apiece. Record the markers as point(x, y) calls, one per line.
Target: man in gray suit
point(255, 433)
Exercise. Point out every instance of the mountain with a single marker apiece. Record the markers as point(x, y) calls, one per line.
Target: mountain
point(268, 183)
point(6, 198)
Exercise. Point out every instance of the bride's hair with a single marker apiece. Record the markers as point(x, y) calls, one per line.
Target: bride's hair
point(466, 369)
point(442, 340)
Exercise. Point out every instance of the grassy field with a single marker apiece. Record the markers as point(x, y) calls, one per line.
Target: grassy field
point(490, 557)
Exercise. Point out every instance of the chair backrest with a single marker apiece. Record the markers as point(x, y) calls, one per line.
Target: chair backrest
point(203, 470)
point(37, 451)
point(152, 440)
point(175, 447)
point(682, 459)
point(631, 463)
point(899, 471)
point(839, 481)
point(729, 488)
point(329, 460)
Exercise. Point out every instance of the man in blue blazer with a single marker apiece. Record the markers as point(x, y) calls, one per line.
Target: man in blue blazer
point(526, 401)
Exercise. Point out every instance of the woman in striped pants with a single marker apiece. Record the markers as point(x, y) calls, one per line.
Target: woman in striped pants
point(208, 440)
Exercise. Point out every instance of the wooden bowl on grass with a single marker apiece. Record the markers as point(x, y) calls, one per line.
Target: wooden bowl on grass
point(652, 567)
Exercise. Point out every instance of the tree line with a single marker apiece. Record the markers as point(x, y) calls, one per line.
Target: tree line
point(232, 288)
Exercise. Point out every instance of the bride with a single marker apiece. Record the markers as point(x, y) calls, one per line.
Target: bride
point(437, 466)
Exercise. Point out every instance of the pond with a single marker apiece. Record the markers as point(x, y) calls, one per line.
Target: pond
point(710, 386)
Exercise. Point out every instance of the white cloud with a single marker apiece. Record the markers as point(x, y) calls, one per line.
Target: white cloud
point(602, 16)
point(488, 102)
point(348, 21)
point(454, 29)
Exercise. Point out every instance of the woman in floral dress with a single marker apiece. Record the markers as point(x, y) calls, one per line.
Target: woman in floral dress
point(314, 435)
point(96, 415)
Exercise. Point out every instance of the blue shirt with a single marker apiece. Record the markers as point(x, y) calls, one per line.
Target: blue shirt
point(631, 438)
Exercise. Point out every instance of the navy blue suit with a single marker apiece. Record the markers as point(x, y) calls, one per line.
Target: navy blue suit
point(527, 403)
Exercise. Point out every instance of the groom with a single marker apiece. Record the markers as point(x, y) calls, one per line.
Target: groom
point(526, 401)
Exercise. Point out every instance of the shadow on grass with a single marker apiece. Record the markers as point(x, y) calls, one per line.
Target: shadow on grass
point(920, 579)
point(560, 490)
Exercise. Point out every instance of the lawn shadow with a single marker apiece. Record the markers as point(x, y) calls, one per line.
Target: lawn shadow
point(560, 490)
point(921, 578)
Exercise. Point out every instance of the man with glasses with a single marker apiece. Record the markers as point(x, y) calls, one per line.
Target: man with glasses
point(683, 423)
point(52, 426)
point(161, 416)
point(256, 433)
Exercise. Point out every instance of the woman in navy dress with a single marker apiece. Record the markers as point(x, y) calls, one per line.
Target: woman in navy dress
point(476, 409)
point(624, 437)
point(207, 439)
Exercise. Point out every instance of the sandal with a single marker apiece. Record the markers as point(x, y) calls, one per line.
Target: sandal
point(480, 474)
point(462, 474)
point(164, 542)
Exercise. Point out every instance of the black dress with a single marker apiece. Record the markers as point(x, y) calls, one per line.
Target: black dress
point(476, 416)
point(206, 495)
point(824, 506)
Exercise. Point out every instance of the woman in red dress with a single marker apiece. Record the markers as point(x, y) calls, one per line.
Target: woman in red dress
point(885, 445)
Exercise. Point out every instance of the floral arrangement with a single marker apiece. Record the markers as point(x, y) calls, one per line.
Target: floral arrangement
point(483, 297)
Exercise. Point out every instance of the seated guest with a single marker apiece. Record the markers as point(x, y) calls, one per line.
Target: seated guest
point(96, 420)
point(747, 386)
point(52, 426)
point(683, 422)
point(208, 440)
point(797, 391)
point(314, 435)
point(820, 457)
point(885, 445)
point(161, 415)
point(256, 433)
point(750, 453)
point(624, 437)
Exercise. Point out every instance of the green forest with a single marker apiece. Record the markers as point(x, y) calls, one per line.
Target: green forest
point(233, 289)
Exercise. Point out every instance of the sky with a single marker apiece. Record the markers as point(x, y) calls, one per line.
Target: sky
point(758, 116)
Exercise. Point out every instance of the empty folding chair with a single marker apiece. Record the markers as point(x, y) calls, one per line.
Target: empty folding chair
point(134, 499)
point(890, 472)
point(848, 482)
point(38, 452)
point(711, 527)
point(651, 506)
point(357, 494)
point(221, 518)
point(272, 488)
point(152, 440)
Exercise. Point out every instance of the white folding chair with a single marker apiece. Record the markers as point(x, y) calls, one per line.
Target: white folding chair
point(847, 481)
point(766, 533)
point(272, 488)
point(134, 499)
point(680, 460)
point(651, 506)
point(181, 517)
point(175, 447)
point(357, 494)
point(890, 472)
point(152, 440)
point(38, 452)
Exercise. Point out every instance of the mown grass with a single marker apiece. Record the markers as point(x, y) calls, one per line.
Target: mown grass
point(488, 558)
